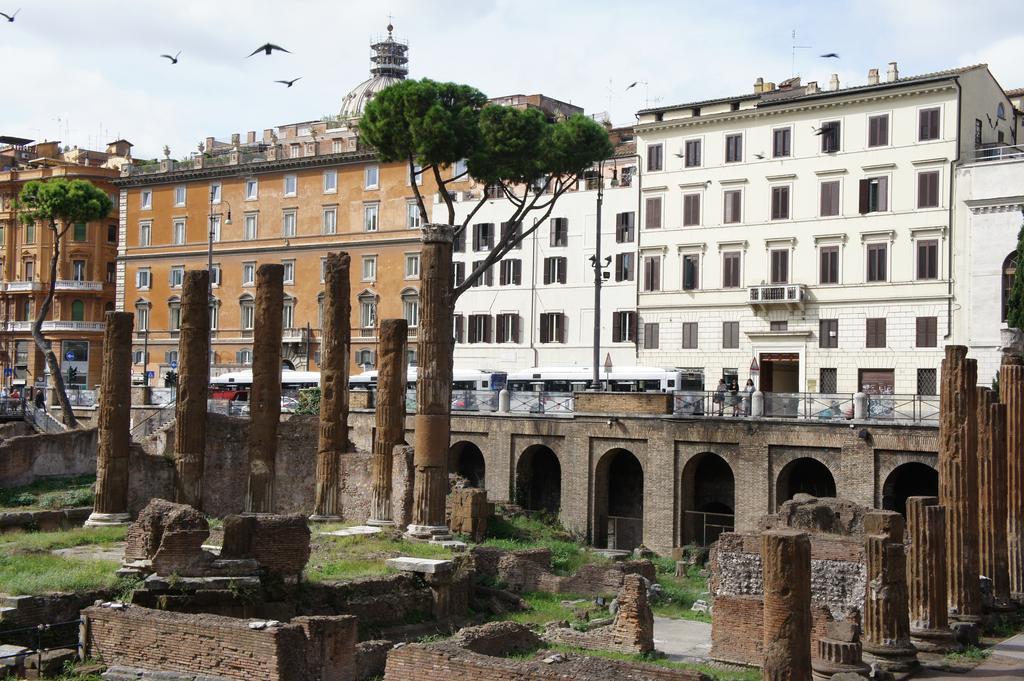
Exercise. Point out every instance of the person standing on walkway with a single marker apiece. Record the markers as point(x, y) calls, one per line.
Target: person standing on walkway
point(719, 397)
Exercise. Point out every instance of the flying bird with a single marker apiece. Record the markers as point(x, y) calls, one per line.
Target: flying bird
point(818, 131)
point(632, 85)
point(10, 17)
point(829, 55)
point(289, 83)
point(759, 156)
point(268, 48)
point(174, 59)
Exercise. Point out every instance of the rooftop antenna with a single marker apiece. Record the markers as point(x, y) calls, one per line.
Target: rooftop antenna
point(795, 47)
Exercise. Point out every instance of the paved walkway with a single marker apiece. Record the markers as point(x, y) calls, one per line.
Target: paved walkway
point(1006, 662)
point(682, 640)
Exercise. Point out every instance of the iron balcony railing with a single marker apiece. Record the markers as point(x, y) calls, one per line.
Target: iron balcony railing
point(915, 409)
point(776, 294)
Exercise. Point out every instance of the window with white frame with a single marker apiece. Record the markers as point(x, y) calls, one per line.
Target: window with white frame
point(782, 142)
point(215, 228)
point(877, 262)
point(215, 274)
point(337, 146)
point(330, 220)
point(78, 270)
point(370, 213)
point(412, 265)
point(371, 176)
point(174, 314)
point(177, 276)
point(367, 310)
point(412, 215)
point(369, 268)
point(691, 209)
point(830, 198)
point(145, 233)
point(215, 192)
point(780, 202)
point(179, 232)
point(330, 181)
point(691, 271)
point(778, 265)
point(320, 311)
point(291, 185)
point(459, 168)
point(146, 199)
point(252, 189)
point(247, 312)
point(244, 357)
point(692, 153)
point(143, 278)
point(874, 194)
point(214, 313)
point(323, 269)
point(248, 274)
point(288, 313)
point(249, 233)
point(289, 220)
point(289, 271)
point(411, 308)
point(732, 212)
point(141, 316)
point(179, 195)
point(417, 170)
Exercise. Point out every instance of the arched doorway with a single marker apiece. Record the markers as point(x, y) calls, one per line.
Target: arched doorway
point(709, 499)
point(539, 480)
point(466, 459)
point(619, 501)
point(804, 476)
point(913, 479)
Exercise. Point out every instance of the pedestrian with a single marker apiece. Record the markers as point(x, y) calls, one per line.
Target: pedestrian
point(719, 397)
point(15, 395)
point(734, 399)
point(40, 400)
point(748, 396)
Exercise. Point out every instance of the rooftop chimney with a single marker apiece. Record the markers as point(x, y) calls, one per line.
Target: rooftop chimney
point(811, 87)
point(250, 137)
point(237, 138)
point(758, 85)
point(872, 76)
point(268, 135)
point(833, 82)
point(209, 144)
point(894, 73)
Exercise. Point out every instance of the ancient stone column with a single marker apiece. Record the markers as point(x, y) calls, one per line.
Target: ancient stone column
point(334, 357)
point(786, 565)
point(992, 496)
point(193, 385)
point(958, 481)
point(1011, 388)
point(434, 385)
point(926, 576)
point(265, 395)
point(390, 413)
point(110, 506)
point(886, 613)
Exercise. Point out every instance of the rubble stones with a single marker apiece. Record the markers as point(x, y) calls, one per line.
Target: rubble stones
point(825, 515)
point(470, 512)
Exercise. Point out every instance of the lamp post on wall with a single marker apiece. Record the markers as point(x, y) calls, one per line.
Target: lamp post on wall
point(209, 263)
point(599, 273)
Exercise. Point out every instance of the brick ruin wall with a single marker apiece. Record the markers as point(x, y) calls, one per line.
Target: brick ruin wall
point(530, 570)
point(27, 458)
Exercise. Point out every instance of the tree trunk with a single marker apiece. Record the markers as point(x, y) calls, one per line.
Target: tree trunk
point(37, 334)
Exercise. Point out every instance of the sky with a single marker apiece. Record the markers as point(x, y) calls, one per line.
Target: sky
point(88, 72)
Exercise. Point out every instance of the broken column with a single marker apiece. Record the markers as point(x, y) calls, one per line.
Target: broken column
point(110, 506)
point(839, 652)
point(886, 614)
point(390, 414)
point(926, 576)
point(958, 481)
point(434, 385)
point(193, 385)
point(265, 395)
point(786, 565)
point(992, 496)
point(1011, 388)
point(334, 349)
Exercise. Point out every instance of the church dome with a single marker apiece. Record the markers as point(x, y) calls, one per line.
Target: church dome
point(390, 65)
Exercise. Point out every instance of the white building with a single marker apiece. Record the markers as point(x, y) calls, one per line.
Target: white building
point(809, 229)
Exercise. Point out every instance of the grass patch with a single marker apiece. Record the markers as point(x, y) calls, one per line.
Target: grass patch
point(544, 607)
point(65, 539)
point(969, 655)
point(344, 558)
point(680, 592)
point(34, 573)
point(49, 494)
point(532, 532)
point(715, 673)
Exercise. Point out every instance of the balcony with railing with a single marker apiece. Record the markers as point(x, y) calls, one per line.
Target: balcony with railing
point(998, 152)
point(777, 295)
point(77, 285)
point(23, 286)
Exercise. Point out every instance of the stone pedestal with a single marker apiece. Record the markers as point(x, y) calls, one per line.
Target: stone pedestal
point(390, 414)
point(193, 388)
point(434, 384)
point(265, 395)
point(958, 481)
point(926, 576)
point(110, 506)
point(786, 565)
point(992, 497)
point(886, 614)
point(1011, 389)
point(333, 438)
point(838, 657)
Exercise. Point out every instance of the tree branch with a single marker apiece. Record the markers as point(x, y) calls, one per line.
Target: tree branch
point(442, 187)
point(479, 204)
point(416, 190)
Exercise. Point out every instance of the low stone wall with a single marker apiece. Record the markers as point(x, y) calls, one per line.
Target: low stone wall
point(631, 632)
point(529, 570)
point(737, 629)
point(28, 458)
point(211, 645)
point(623, 403)
point(44, 521)
point(25, 612)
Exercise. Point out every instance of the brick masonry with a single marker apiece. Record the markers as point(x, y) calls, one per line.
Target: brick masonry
point(632, 630)
point(529, 570)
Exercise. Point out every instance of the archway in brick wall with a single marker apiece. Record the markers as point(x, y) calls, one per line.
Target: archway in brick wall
point(912, 479)
point(618, 500)
point(804, 476)
point(709, 499)
point(539, 480)
point(466, 459)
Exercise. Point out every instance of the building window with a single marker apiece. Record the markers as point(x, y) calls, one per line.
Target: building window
point(782, 142)
point(508, 328)
point(143, 277)
point(288, 313)
point(555, 270)
point(927, 332)
point(733, 148)
point(829, 198)
point(552, 327)
point(878, 130)
point(78, 270)
point(252, 189)
point(288, 221)
point(289, 271)
point(412, 215)
point(179, 232)
point(141, 317)
point(691, 272)
point(625, 228)
point(458, 273)
point(655, 158)
point(329, 223)
point(830, 131)
point(81, 232)
point(174, 314)
point(652, 212)
point(146, 199)
point(691, 210)
point(411, 308)
point(330, 181)
point(874, 194)
point(730, 335)
point(371, 177)
point(650, 336)
point(779, 325)
point(364, 358)
point(1009, 274)
point(249, 233)
point(829, 381)
point(927, 383)
point(215, 228)
point(480, 328)
point(248, 274)
point(179, 195)
point(625, 267)
point(417, 171)
point(928, 124)
point(145, 234)
point(244, 357)
point(487, 276)
point(877, 262)
point(731, 269)
point(559, 232)
point(459, 241)
point(291, 185)
point(370, 212)
point(177, 276)
point(112, 233)
point(412, 265)
point(367, 311)
point(511, 232)
point(828, 333)
point(689, 335)
point(510, 272)
point(215, 192)
point(732, 212)
point(111, 273)
point(459, 168)
point(875, 331)
point(779, 265)
point(652, 273)
point(780, 202)
point(977, 132)
point(928, 189)
point(928, 259)
point(30, 233)
point(828, 272)
point(624, 327)
point(215, 275)
point(483, 236)
point(77, 311)
point(692, 154)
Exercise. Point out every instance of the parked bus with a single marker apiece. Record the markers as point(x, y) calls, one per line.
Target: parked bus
point(577, 379)
point(472, 389)
point(235, 385)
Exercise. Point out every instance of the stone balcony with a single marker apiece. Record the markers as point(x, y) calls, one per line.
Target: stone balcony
point(58, 325)
point(22, 286)
point(76, 285)
point(777, 295)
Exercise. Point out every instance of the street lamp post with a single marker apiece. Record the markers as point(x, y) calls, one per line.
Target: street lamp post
point(598, 272)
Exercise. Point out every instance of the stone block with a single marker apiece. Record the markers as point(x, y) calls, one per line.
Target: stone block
point(427, 566)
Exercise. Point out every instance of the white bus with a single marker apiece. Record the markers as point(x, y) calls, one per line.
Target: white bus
point(577, 379)
point(462, 379)
point(235, 385)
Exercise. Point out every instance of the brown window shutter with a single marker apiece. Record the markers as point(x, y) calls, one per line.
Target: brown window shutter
point(488, 329)
point(458, 328)
point(616, 327)
point(618, 267)
point(865, 196)
point(543, 328)
point(515, 328)
point(634, 322)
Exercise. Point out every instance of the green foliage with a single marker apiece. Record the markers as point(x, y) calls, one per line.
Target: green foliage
point(344, 558)
point(65, 539)
point(63, 200)
point(309, 402)
point(1015, 305)
point(50, 493)
point(713, 672)
point(33, 573)
point(530, 532)
point(968, 654)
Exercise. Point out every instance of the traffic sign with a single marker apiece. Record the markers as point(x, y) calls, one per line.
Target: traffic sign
point(174, 365)
point(70, 356)
point(150, 374)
